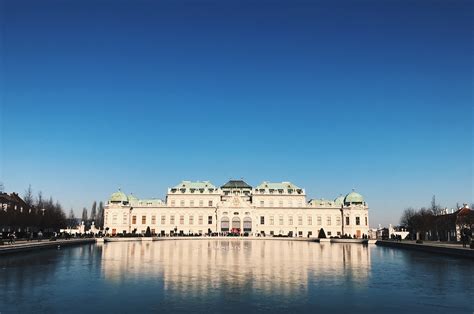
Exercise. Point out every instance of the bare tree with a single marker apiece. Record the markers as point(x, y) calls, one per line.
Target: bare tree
point(28, 196)
point(435, 208)
point(2, 187)
point(407, 216)
point(40, 201)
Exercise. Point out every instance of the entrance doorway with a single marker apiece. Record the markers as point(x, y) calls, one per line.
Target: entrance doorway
point(247, 224)
point(225, 224)
point(236, 224)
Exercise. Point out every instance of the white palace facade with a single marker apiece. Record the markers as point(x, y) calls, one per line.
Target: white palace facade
point(265, 210)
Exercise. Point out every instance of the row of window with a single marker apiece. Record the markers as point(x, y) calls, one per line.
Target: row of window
point(280, 203)
point(271, 220)
point(200, 203)
point(319, 220)
point(279, 191)
point(172, 220)
point(191, 203)
point(192, 190)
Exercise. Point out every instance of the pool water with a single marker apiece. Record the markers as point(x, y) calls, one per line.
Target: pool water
point(234, 276)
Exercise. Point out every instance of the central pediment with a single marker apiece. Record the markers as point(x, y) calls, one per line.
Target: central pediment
point(235, 201)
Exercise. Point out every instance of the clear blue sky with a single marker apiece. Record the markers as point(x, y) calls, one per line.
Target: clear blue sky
point(332, 95)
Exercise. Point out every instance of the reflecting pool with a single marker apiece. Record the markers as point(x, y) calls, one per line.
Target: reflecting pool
point(234, 276)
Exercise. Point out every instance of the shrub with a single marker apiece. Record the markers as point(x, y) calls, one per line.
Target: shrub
point(322, 234)
point(148, 232)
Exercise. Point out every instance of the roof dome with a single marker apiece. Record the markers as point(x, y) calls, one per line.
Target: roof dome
point(118, 197)
point(339, 200)
point(132, 197)
point(353, 197)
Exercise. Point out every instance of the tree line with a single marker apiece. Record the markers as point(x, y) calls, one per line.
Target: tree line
point(37, 213)
point(430, 223)
point(96, 215)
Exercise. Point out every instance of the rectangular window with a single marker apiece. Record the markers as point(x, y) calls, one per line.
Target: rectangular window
point(143, 220)
point(357, 221)
point(181, 219)
point(347, 221)
point(329, 233)
point(209, 220)
point(366, 221)
point(172, 219)
point(210, 203)
point(290, 220)
point(163, 219)
point(310, 220)
point(181, 203)
point(200, 220)
point(201, 203)
point(191, 203)
point(262, 203)
point(290, 204)
point(272, 220)
point(300, 220)
point(125, 220)
point(153, 219)
point(191, 220)
point(338, 220)
point(280, 203)
point(172, 202)
point(281, 220)
point(262, 220)
point(300, 204)
point(319, 220)
point(271, 203)
point(114, 218)
point(329, 220)
point(134, 220)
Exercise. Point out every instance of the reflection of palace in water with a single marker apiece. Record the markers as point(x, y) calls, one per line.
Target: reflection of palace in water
point(200, 266)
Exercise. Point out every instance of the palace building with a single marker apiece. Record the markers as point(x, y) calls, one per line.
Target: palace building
point(236, 207)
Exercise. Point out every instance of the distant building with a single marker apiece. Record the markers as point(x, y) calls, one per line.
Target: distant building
point(271, 208)
point(449, 226)
point(12, 201)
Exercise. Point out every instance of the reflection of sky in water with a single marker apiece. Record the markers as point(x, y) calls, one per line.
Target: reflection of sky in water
point(234, 277)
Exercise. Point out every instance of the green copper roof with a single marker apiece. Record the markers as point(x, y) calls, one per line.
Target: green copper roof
point(195, 185)
point(152, 201)
point(118, 197)
point(277, 186)
point(339, 200)
point(132, 197)
point(353, 197)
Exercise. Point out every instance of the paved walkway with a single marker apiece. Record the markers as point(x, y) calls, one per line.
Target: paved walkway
point(441, 248)
point(24, 245)
point(434, 243)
